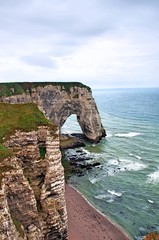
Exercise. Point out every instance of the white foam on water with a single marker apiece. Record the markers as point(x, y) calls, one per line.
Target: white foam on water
point(122, 165)
point(86, 151)
point(112, 192)
point(101, 196)
point(93, 145)
point(131, 154)
point(154, 177)
point(136, 156)
point(107, 197)
point(109, 135)
point(114, 162)
point(94, 180)
point(91, 154)
point(128, 135)
point(135, 166)
point(110, 200)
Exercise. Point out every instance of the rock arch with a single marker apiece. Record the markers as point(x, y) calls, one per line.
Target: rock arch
point(58, 103)
point(78, 101)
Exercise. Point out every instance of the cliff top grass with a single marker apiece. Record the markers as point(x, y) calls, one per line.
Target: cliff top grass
point(25, 117)
point(10, 89)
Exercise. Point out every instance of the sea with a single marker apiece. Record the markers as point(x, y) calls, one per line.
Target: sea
point(126, 186)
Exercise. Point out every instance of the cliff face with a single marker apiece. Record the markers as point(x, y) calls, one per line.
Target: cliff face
point(58, 103)
point(32, 203)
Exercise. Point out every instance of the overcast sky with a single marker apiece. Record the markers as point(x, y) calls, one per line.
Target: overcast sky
point(98, 42)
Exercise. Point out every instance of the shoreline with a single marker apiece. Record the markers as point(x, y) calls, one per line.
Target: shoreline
point(87, 223)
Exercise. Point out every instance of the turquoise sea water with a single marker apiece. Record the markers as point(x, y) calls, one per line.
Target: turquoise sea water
point(126, 188)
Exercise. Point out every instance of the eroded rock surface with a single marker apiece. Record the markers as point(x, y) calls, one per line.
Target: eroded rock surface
point(32, 202)
point(58, 104)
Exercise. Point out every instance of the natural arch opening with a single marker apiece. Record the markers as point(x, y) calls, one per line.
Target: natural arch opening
point(71, 125)
point(71, 134)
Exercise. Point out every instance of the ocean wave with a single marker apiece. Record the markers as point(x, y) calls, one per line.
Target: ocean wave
point(122, 165)
point(101, 196)
point(136, 156)
point(110, 200)
point(109, 134)
point(107, 198)
point(110, 197)
point(91, 154)
point(135, 166)
point(114, 162)
point(85, 151)
point(154, 177)
point(94, 180)
point(128, 135)
point(118, 194)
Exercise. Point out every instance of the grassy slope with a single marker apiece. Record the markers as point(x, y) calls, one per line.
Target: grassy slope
point(19, 88)
point(25, 117)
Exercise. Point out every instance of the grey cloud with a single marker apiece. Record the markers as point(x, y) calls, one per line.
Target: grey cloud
point(72, 19)
point(40, 61)
point(48, 18)
point(59, 27)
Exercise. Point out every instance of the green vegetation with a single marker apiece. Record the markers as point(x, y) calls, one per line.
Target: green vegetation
point(4, 152)
point(25, 117)
point(42, 151)
point(10, 89)
point(7, 89)
point(69, 169)
point(18, 226)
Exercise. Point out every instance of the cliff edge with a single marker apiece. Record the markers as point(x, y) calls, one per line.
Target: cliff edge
point(58, 101)
point(32, 201)
point(32, 191)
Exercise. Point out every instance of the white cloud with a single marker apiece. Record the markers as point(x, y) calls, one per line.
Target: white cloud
point(100, 43)
point(40, 60)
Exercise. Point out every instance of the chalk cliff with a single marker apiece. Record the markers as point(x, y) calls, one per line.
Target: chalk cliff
point(58, 102)
point(32, 203)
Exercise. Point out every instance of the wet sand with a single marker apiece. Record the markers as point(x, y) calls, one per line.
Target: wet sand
point(85, 223)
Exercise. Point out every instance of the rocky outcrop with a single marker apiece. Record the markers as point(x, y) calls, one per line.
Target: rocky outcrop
point(58, 103)
point(32, 203)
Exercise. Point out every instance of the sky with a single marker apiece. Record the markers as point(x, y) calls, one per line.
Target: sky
point(101, 43)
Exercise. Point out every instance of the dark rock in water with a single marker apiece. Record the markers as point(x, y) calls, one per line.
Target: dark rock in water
point(79, 157)
point(79, 136)
point(67, 141)
point(80, 175)
point(89, 167)
point(81, 160)
point(121, 212)
point(96, 164)
point(151, 228)
point(73, 159)
point(87, 158)
point(143, 231)
point(78, 151)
